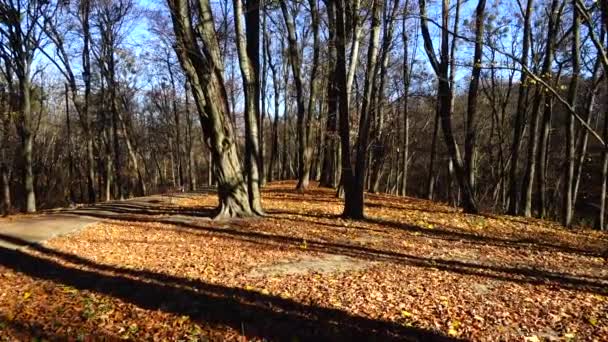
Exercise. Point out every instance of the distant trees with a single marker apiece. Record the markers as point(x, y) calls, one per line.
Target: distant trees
point(482, 119)
point(21, 36)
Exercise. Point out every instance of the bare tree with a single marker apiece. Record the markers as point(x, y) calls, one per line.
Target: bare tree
point(249, 72)
point(444, 98)
point(203, 66)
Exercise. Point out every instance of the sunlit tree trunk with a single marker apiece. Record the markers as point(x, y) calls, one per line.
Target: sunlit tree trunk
point(541, 163)
point(251, 89)
point(354, 204)
point(203, 67)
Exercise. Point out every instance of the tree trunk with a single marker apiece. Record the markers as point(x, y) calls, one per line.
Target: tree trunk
point(471, 122)
point(329, 167)
point(354, 201)
point(262, 84)
point(602, 213)
point(567, 206)
point(406, 94)
point(430, 183)
point(520, 114)
point(6, 189)
point(274, 151)
point(380, 147)
point(445, 94)
point(69, 148)
point(202, 65)
point(178, 131)
point(351, 209)
point(27, 142)
point(294, 58)
point(251, 89)
point(584, 137)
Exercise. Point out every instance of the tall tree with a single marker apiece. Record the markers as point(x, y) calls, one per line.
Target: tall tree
point(471, 123)
point(444, 98)
point(251, 89)
point(330, 158)
point(354, 197)
point(545, 126)
point(520, 110)
point(572, 100)
point(203, 67)
point(274, 150)
point(304, 150)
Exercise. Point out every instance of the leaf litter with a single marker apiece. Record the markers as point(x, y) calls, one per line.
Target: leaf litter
point(414, 270)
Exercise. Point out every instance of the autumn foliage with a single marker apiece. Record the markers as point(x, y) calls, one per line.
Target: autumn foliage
point(413, 270)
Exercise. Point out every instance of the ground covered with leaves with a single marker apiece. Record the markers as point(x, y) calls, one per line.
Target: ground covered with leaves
point(414, 270)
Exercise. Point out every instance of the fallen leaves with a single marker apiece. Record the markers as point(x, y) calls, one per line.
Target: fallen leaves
point(431, 269)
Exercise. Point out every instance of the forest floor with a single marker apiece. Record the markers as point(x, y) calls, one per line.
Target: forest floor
point(158, 268)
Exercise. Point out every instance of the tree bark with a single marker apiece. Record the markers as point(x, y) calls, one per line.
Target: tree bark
point(296, 65)
point(354, 198)
point(471, 126)
point(251, 89)
point(567, 205)
point(202, 65)
point(406, 94)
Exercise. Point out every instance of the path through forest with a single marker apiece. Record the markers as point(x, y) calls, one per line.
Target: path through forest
point(24, 230)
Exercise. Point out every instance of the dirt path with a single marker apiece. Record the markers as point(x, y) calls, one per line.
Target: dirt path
point(24, 230)
point(19, 232)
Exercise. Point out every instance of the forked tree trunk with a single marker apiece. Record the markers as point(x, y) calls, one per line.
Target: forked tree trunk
point(202, 65)
point(312, 97)
point(379, 150)
point(346, 186)
point(445, 94)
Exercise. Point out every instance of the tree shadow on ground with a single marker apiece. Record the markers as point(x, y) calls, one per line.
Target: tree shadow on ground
point(213, 306)
point(454, 235)
point(448, 234)
point(241, 230)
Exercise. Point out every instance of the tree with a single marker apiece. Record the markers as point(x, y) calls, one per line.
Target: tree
point(572, 100)
point(202, 65)
point(520, 112)
point(304, 150)
point(250, 72)
point(444, 99)
point(471, 128)
point(63, 62)
point(354, 182)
